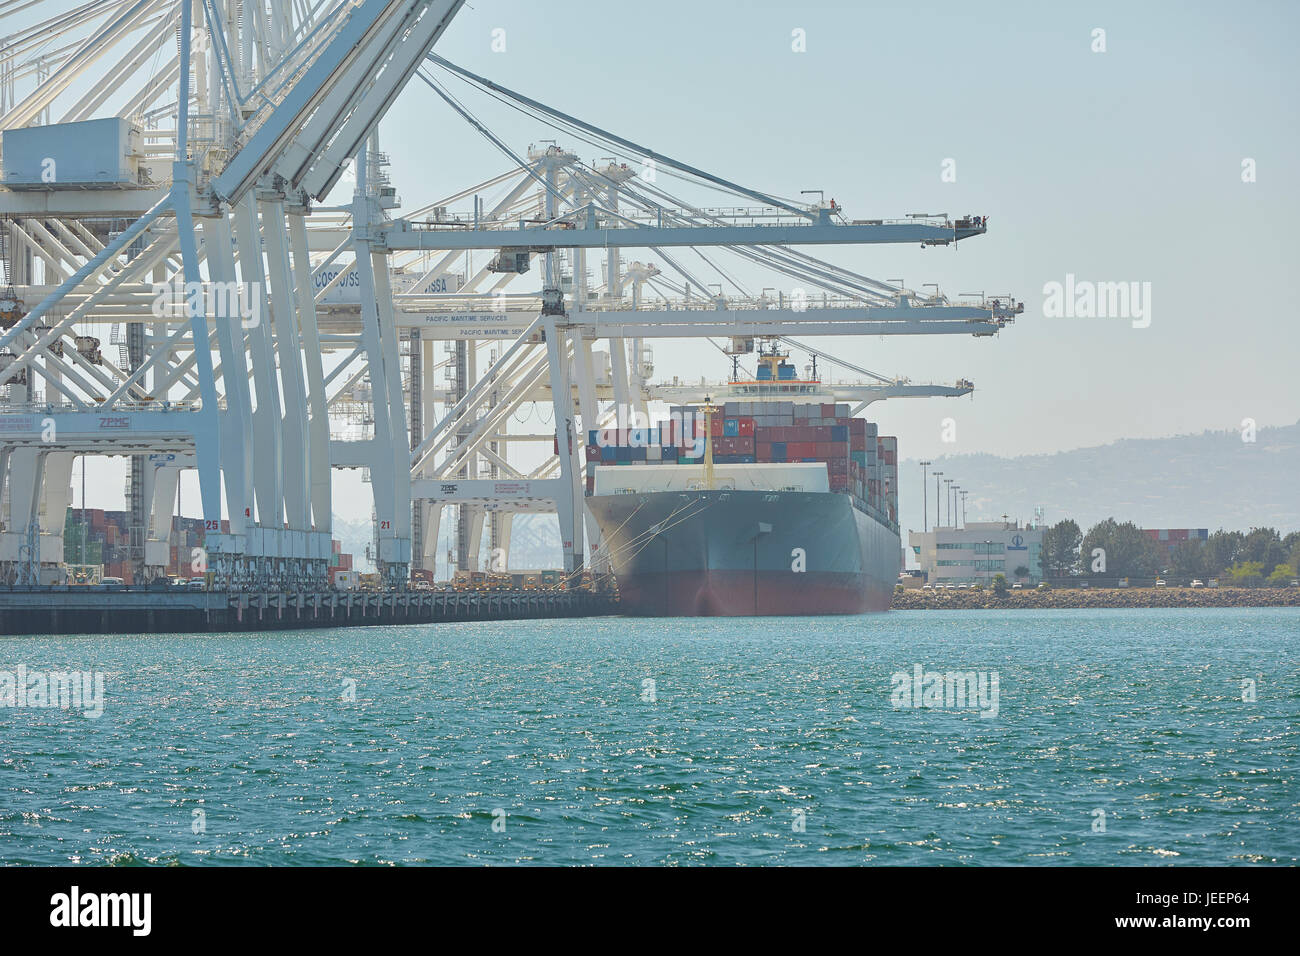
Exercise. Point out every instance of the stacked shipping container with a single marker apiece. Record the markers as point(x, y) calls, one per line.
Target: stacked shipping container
point(103, 538)
point(859, 462)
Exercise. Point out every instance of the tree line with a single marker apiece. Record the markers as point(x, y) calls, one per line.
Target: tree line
point(1255, 558)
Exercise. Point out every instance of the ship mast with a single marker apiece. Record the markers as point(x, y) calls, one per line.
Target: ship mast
point(709, 408)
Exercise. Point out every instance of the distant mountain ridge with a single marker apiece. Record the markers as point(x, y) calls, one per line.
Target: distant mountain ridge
point(1210, 480)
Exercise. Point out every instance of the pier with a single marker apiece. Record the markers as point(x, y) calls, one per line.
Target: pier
point(80, 610)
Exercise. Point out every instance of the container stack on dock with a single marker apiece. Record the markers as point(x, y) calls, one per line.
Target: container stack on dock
point(858, 460)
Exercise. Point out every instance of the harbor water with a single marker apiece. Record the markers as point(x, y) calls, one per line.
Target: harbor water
point(1097, 737)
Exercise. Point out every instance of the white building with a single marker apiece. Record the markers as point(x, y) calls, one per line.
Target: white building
point(978, 552)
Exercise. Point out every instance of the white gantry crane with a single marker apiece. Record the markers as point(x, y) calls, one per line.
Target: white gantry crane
point(178, 290)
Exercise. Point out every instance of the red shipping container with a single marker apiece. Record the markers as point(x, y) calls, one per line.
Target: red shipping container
point(345, 562)
point(800, 449)
point(839, 482)
point(857, 442)
point(764, 451)
point(744, 445)
point(858, 426)
point(746, 427)
point(839, 466)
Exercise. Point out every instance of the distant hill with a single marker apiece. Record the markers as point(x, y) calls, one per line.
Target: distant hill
point(1210, 480)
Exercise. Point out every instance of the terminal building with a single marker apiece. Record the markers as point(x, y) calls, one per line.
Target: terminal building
point(979, 551)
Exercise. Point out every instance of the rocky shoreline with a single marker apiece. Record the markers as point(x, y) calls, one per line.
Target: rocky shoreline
point(972, 600)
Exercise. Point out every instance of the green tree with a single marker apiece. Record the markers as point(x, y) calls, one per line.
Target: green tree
point(1128, 552)
point(1247, 574)
point(1281, 576)
point(1189, 560)
point(1060, 551)
point(1022, 571)
point(1221, 552)
point(1263, 545)
point(1292, 544)
point(1000, 585)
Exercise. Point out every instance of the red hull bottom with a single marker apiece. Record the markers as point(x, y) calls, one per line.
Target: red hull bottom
point(750, 594)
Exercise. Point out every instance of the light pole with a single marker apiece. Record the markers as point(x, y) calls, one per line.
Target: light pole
point(937, 475)
point(963, 508)
point(925, 498)
point(956, 490)
point(947, 499)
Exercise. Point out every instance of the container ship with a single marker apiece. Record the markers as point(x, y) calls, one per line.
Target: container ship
point(777, 501)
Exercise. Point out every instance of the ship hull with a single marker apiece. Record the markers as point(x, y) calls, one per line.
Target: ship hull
point(745, 553)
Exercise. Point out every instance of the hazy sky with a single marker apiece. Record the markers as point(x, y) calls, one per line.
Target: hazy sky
point(1117, 166)
point(1123, 165)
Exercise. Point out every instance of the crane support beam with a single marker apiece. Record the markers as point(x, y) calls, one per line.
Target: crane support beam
point(403, 234)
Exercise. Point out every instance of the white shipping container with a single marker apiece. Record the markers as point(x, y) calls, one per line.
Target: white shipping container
point(775, 476)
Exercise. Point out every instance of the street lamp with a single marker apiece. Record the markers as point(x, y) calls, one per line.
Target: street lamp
point(937, 475)
point(925, 498)
point(963, 507)
point(947, 497)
